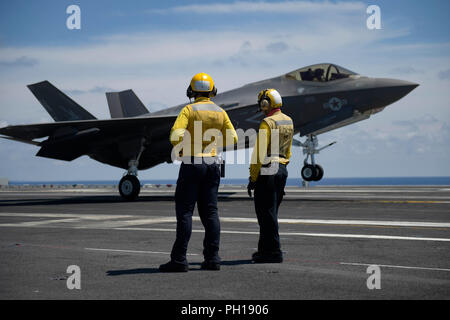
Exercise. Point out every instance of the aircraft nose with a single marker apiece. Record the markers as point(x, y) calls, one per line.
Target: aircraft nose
point(401, 85)
point(392, 90)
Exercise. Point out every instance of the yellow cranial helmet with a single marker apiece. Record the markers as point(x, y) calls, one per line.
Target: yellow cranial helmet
point(269, 99)
point(201, 83)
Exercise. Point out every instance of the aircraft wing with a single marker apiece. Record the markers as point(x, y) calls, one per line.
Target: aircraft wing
point(108, 141)
point(35, 131)
point(115, 141)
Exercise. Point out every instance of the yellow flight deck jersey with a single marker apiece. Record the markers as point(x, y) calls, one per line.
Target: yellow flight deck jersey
point(285, 127)
point(195, 119)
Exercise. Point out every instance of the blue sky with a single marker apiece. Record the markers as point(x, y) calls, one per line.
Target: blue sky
point(154, 47)
point(26, 22)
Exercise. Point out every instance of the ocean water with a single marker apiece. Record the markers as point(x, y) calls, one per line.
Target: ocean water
point(378, 181)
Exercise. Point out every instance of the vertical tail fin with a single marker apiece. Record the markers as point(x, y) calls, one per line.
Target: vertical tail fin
point(58, 105)
point(125, 104)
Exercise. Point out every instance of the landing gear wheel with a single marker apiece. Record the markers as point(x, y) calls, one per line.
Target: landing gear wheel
point(129, 187)
point(319, 172)
point(308, 172)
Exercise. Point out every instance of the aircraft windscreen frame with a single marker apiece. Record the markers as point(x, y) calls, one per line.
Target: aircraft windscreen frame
point(323, 72)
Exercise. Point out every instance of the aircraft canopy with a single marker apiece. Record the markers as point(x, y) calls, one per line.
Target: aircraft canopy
point(320, 73)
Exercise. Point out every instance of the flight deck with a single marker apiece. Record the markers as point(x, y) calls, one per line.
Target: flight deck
point(331, 237)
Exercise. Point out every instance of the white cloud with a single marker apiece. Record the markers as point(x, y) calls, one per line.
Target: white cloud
point(444, 75)
point(425, 134)
point(406, 70)
point(286, 7)
point(96, 89)
point(19, 62)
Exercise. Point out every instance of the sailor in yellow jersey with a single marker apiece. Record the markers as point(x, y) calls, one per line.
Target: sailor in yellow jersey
point(199, 175)
point(268, 173)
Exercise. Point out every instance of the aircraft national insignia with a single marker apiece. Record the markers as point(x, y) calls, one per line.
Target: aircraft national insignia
point(335, 104)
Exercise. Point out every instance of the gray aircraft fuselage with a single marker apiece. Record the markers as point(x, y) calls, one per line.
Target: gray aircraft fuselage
point(314, 106)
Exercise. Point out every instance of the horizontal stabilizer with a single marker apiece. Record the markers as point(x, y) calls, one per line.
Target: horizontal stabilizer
point(125, 104)
point(35, 143)
point(58, 105)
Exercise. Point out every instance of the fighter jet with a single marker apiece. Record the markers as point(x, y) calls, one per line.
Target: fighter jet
point(318, 98)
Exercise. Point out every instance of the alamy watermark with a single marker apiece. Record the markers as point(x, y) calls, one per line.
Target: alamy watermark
point(74, 20)
point(74, 280)
point(374, 20)
point(374, 280)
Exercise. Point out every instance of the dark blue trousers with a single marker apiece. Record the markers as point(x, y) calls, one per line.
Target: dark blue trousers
point(197, 183)
point(269, 191)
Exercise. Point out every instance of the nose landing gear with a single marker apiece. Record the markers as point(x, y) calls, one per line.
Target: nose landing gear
point(312, 171)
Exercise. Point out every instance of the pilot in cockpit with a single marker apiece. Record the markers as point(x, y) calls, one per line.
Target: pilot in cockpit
point(318, 74)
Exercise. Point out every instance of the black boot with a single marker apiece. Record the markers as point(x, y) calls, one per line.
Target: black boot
point(267, 257)
point(210, 265)
point(173, 267)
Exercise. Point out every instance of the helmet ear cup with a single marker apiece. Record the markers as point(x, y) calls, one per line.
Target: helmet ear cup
point(189, 92)
point(213, 92)
point(262, 100)
point(264, 104)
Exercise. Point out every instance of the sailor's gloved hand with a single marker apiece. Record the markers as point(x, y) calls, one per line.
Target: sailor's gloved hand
point(251, 186)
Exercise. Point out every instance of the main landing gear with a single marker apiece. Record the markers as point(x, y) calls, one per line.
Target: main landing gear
point(129, 185)
point(312, 171)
